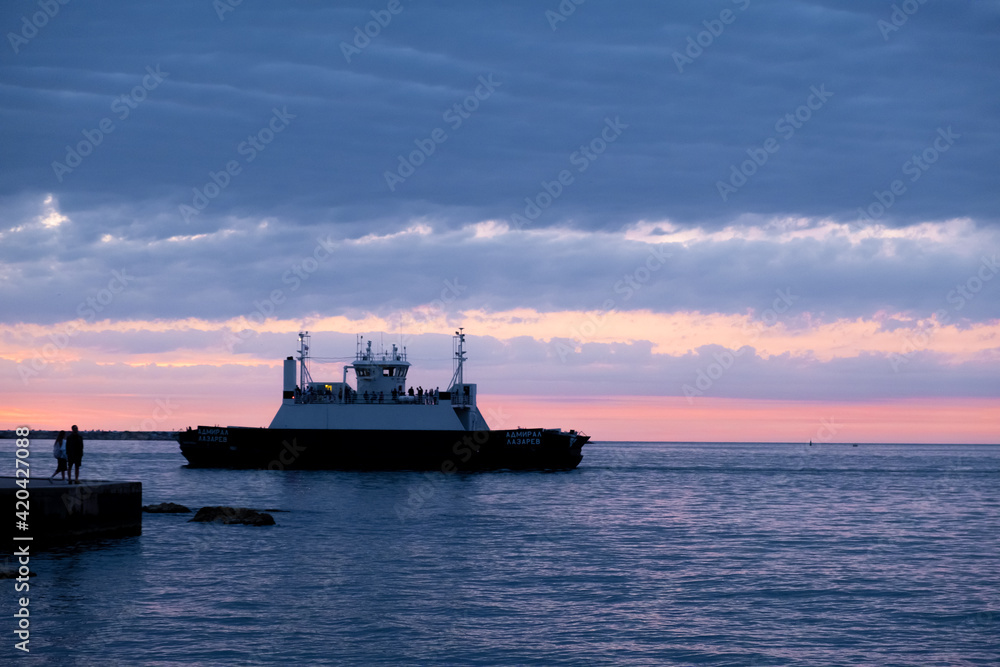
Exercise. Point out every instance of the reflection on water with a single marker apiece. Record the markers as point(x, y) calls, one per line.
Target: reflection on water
point(647, 554)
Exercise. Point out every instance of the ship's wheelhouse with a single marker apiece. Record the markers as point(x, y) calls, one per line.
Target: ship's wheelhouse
point(380, 374)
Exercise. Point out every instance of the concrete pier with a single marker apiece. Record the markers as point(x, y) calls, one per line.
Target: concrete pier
point(58, 512)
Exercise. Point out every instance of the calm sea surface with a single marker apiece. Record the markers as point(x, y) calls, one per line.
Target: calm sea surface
point(648, 554)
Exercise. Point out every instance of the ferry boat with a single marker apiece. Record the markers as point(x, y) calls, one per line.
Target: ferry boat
point(379, 424)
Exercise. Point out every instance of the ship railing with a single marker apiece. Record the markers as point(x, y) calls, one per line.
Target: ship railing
point(359, 399)
point(380, 356)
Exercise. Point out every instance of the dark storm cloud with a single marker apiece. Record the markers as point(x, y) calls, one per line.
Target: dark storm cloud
point(294, 273)
point(223, 79)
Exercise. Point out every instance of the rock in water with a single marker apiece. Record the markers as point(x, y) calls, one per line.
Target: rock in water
point(165, 508)
point(243, 515)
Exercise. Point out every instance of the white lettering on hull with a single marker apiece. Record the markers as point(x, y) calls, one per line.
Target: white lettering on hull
point(515, 438)
point(213, 435)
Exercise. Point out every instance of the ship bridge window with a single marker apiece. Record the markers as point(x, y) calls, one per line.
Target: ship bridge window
point(387, 372)
point(363, 372)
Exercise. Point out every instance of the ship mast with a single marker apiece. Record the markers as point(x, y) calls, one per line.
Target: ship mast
point(458, 343)
point(304, 376)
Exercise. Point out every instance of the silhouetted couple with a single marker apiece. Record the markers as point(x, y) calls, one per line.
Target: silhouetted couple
point(68, 451)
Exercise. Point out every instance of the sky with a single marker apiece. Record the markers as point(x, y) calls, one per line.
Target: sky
point(733, 220)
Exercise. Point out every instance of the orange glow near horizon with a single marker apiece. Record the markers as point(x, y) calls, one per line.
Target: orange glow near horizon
point(623, 418)
point(676, 333)
point(189, 380)
point(649, 418)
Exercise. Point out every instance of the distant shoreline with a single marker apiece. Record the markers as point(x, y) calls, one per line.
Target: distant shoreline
point(95, 435)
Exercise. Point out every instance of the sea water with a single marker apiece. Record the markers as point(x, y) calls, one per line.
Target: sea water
point(647, 554)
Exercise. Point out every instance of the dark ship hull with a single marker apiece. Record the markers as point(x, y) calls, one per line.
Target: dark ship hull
point(332, 449)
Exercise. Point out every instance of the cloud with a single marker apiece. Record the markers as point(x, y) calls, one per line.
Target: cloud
point(665, 170)
point(57, 273)
point(353, 119)
point(842, 361)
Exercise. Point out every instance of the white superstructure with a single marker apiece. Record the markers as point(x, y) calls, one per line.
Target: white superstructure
point(380, 400)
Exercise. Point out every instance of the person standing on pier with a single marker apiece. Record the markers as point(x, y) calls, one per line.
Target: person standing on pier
point(59, 451)
point(74, 453)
